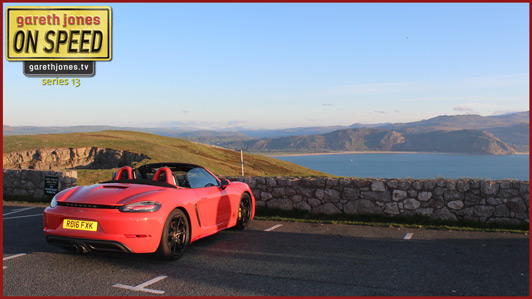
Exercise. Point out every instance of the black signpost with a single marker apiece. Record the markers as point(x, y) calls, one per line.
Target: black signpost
point(51, 185)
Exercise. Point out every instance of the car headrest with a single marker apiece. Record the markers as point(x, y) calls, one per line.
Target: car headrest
point(167, 175)
point(125, 173)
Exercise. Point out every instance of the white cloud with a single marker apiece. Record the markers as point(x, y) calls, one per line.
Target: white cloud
point(234, 123)
point(467, 110)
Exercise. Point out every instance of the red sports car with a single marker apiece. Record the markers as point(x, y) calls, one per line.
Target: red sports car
point(159, 207)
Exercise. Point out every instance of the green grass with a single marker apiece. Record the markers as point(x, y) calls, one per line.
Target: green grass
point(91, 176)
point(26, 199)
point(386, 221)
point(159, 149)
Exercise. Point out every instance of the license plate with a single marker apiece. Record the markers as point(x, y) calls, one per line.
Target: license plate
point(80, 225)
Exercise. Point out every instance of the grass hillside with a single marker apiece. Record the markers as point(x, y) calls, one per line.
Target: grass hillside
point(159, 149)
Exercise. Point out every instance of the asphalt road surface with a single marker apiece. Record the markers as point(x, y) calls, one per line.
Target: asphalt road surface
point(273, 259)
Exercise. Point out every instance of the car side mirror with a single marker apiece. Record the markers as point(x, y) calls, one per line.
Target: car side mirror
point(225, 183)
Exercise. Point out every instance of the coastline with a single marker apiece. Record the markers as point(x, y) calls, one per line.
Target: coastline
point(364, 152)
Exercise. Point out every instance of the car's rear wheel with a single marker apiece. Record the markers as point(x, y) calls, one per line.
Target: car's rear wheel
point(175, 237)
point(244, 211)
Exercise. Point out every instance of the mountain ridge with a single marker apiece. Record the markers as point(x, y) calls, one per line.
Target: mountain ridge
point(363, 139)
point(510, 129)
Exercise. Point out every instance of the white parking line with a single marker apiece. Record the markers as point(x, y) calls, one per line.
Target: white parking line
point(18, 211)
point(13, 256)
point(141, 287)
point(408, 236)
point(273, 227)
point(25, 216)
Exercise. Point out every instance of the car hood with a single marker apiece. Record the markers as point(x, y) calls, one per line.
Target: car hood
point(109, 194)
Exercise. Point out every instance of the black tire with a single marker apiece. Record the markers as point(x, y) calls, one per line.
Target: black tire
point(244, 211)
point(175, 237)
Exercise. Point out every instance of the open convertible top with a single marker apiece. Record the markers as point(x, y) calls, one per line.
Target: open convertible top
point(167, 174)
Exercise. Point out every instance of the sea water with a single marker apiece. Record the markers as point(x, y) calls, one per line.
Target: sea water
point(417, 165)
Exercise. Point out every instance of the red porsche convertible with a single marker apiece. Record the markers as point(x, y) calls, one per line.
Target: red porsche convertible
point(158, 207)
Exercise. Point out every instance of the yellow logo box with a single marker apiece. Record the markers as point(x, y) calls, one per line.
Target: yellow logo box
point(58, 33)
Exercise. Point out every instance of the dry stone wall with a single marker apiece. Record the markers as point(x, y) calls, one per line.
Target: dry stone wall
point(30, 183)
point(454, 200)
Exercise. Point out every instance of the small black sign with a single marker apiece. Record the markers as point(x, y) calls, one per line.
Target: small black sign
point(59, 68)
point(51, 185)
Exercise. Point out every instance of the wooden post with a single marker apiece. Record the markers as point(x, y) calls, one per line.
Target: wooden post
point(242, 160)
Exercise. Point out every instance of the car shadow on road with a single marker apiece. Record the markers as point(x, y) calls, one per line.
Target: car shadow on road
point(279, 263)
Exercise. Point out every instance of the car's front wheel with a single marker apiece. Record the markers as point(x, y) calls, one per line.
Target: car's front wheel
point(175, 237)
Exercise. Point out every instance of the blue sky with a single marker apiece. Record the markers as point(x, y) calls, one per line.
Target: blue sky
point(266, 65)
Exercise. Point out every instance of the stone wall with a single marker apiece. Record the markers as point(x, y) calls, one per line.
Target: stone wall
point(66, 158)
point(30, 183)
point(455, 200)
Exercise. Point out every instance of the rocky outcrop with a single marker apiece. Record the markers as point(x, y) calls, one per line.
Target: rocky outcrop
point(69, 158)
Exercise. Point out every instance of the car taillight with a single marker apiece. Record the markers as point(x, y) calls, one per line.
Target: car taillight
point(141, 207)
